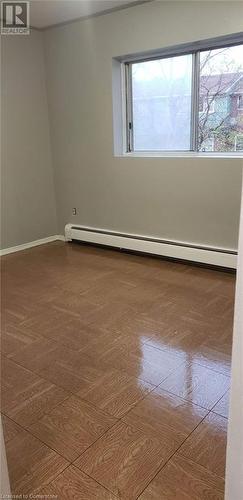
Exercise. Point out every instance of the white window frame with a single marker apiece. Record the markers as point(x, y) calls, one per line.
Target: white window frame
point(126, 89)
point(240, 100)
point(236, 138)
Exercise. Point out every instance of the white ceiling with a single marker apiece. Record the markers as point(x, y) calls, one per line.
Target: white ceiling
point(45, 13)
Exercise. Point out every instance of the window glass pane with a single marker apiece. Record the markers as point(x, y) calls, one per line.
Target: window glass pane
point(161, 102)
point(239, 143)
point(221, 88)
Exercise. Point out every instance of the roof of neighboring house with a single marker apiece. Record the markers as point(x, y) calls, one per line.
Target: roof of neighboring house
point(222, 84)
point(160, 87)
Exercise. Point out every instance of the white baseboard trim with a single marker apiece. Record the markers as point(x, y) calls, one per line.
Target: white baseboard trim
point(24, 246)
point(175, 249)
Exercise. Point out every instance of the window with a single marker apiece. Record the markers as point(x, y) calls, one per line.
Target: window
point(161, 104)
point(220, 75)
point(210, 104)
point(208, 144)
point(206, 103)
point(240, 102)
point(185, 102)
point(239, 142)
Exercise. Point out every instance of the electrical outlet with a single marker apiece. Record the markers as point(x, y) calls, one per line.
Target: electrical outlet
point(74, 211)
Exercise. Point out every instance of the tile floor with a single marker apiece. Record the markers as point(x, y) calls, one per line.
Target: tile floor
point(115, 375)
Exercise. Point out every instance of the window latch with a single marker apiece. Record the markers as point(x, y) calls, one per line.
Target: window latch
point(130, 137)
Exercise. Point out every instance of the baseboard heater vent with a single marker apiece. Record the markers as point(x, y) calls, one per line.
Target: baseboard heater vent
point(222, 257)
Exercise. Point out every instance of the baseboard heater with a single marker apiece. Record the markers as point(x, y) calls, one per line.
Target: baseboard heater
point(222, 257)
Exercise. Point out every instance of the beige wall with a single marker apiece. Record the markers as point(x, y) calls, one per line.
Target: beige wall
point(188, 199)
point(195, 200)
point(28, 201)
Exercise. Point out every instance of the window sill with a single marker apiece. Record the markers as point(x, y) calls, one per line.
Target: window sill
point(179, 154)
